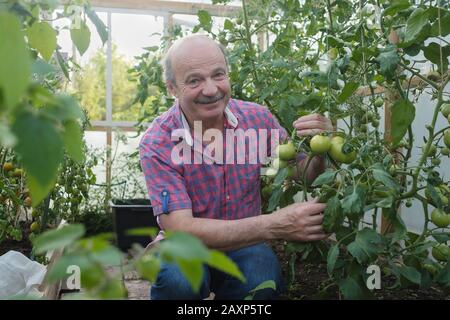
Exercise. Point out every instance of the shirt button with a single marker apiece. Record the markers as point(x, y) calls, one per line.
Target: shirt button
point(228, 197)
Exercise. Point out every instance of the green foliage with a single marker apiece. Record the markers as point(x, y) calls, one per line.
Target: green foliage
point(38, 122)
point(332, 57)
point(89, 86)
point(15, 61)
point(91, 255)
point(81, 36)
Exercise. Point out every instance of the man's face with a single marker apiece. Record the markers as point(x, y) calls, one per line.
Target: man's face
point(202, 86)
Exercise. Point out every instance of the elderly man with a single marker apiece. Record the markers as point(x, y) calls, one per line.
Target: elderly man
point(219, 202)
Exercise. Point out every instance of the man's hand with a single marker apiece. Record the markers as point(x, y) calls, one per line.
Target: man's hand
point(312, 124)
point(300, 222)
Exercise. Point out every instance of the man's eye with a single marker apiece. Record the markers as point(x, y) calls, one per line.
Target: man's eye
point(220, 75)
point(193, 82)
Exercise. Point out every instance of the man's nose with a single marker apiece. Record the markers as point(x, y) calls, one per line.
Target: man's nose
point(210, 88)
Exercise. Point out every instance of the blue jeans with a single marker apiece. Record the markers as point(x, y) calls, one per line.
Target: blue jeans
point(258, 263)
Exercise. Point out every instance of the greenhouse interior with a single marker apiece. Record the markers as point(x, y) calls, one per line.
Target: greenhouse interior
point(168, 150)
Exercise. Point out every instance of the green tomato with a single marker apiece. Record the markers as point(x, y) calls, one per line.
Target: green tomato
point(320, 144)
point(333, 53)
point(447, 138)
point(291, 171)
point(277, 163)
point(445, 109)
point(271, 172)
point(378, 102)
point(440, 218)
point(436, 161)
point(336, 153)
point(7, 166)
point(434, 75)
point(17, 173)
point(35, 213)
point(432, 150)
point(431, 268)
point(286, 151)
point(441, 193)
point(34, 226)
point(445, 151)
point(266, 192)
point(441, 252)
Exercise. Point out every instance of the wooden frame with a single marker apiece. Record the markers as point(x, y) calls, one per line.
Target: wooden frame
point(173, 7)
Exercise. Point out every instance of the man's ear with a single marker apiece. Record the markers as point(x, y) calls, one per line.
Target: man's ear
point(171, 88)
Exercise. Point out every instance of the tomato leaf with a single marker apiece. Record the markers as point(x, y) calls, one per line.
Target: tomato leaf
point(352, 289)
point(333, 216)
point(148, 267)
point(228, 25)
point(388, 59)
point(205, 19)
point(442, 27)
point(180, 245)
point(275, 198)
point(99, 25)
point(403, 114)
point(396, 6)
point(385, 178)
point(433, 53)
point(73, 140)
point(325, 178)
point(444, 275)
point(348, 90)
point(333, 254)
point(415, 24)
point(193, 271)
point(41, 150)
point(410, 273)
point(81, 36)
point(220, 261)
point(366, 246)
point(42, 37)
point(15, 61)
point(58, 238)
point(353, 204)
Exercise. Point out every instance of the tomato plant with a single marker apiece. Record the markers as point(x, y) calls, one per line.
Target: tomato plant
point(357, 62)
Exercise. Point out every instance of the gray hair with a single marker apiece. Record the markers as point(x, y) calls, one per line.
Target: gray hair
point(166, 61)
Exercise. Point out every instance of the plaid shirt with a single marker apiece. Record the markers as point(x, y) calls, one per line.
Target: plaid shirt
point(217, 191)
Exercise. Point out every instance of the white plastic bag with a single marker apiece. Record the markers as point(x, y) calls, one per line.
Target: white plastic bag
point(19, 275)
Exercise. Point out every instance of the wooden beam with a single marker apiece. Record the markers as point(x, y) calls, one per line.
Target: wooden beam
point(175, 7)
point(391, 98)
point(414, 82)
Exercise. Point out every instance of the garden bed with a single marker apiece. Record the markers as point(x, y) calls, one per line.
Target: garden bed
point(24, 246)
point(309, 279)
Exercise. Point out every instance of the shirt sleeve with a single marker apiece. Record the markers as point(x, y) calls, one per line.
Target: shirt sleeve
point(162, 175)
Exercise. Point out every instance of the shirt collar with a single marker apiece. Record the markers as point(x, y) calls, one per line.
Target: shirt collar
point(229, 116)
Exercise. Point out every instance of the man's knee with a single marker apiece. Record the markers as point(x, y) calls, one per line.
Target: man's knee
point(171, 284)
point(259, 263)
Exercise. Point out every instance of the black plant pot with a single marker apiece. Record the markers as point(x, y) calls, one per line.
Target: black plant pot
point(131, 214)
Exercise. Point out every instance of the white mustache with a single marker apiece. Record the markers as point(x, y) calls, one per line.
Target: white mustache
point(208, 100)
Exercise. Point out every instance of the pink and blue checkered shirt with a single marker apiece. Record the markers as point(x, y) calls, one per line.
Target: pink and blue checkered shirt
point(217, 190)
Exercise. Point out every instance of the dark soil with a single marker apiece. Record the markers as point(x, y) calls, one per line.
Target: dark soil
point(312, 278)
point(23, 246)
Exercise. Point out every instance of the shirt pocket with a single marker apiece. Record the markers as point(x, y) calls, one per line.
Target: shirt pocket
point(201, 190)
point(250, 179)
